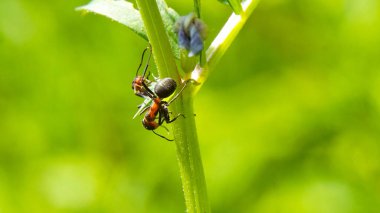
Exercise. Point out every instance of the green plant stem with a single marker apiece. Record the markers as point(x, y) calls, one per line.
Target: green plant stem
point(223, 40)
point(184, 130)
point(158, 38)
point(189, 157)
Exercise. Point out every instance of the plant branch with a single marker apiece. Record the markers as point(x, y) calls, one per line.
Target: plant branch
point(223, 40)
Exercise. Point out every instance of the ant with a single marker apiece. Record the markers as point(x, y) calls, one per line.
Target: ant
point(162, 88)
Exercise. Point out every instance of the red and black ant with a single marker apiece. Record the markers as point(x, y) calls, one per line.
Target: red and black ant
point(163, 88)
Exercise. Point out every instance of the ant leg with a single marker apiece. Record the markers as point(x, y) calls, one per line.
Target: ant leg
point(184, 86)
point(161, 121)
point(162, 136)
point(175, 118)
point(164, 116)
point(196, 83)
point(165, 128)
point(138, 94)
point(150, 92)
point(147, 63)
point(147, 76)
point(160, 118)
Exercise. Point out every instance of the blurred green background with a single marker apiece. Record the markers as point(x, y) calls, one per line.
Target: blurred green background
point(288, 122)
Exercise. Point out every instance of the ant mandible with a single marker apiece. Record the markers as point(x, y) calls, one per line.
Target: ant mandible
point(163, 88)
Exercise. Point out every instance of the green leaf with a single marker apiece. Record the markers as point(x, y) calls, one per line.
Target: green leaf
point(120, 11)
point(234, 4)
point(124, 13)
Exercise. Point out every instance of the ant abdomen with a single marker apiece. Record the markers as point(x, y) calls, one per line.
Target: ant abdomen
point(165, 87)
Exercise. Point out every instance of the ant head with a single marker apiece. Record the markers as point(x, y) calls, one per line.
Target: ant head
point(137, 82)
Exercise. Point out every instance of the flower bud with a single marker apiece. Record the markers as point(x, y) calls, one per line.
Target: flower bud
point(191, 34)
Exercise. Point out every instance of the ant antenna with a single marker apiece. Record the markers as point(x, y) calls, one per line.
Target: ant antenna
point(142, 60)
point(162, 136)
point(147, 63)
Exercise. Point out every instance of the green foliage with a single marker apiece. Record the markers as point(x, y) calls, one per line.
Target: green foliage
point(120, 11)
point(288, 122)
point(124, 13)
point(191, 34)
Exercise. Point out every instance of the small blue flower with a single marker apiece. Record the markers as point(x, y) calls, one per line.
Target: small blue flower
point(183, 39)
point(191, 34)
